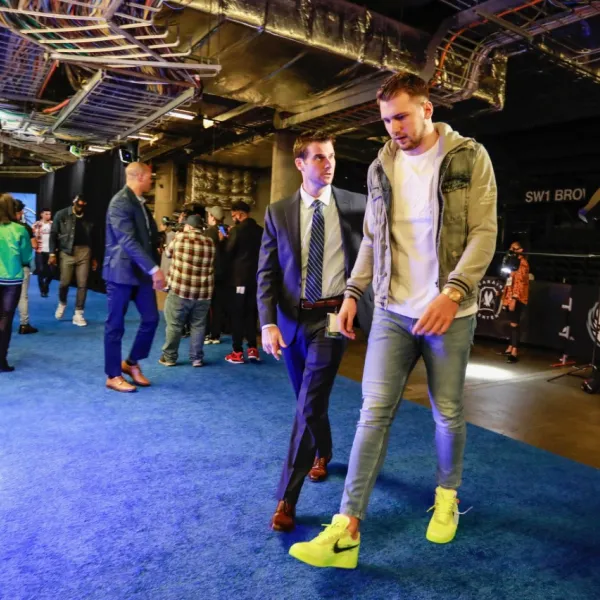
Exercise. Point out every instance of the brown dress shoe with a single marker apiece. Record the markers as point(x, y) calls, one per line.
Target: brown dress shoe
point(135, 372)
point(319, 469)
point(120, 385)
point(284, 518)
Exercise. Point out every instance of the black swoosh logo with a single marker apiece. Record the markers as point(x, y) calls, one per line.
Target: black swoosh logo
point(337, 549)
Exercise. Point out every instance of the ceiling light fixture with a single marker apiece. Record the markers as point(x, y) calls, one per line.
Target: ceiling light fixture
point(98, 148)
point(141, 136)
point(180, 114)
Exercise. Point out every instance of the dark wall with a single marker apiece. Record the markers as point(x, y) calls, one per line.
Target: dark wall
point(97, 179)
point(24, 186)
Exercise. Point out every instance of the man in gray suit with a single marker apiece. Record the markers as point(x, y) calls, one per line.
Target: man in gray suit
point(308, 249)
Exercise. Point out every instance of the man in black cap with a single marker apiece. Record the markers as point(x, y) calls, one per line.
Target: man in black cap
point(190, 282)
point(71, 235)
point(243, 249)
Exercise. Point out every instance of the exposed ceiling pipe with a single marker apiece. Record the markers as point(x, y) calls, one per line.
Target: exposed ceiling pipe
point(334, 26)
point(350, 31)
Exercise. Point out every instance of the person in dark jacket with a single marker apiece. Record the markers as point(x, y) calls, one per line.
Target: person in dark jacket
point(217, 231)
point(131, 272)
point(71, 235)
point(309, 247)
point(242, 250)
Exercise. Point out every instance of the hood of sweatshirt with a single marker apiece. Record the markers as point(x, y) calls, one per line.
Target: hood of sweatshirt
point(449, 139)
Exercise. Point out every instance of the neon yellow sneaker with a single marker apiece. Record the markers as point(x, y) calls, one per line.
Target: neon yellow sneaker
point(443, 524)
point(333, 547)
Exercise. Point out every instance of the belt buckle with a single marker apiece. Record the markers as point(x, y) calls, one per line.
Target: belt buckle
point(303, 305)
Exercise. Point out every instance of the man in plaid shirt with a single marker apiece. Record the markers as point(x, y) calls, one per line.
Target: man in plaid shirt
point(190, 282)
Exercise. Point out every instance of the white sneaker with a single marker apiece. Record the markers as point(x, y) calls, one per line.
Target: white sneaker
point(60, 310)
point(78, 319)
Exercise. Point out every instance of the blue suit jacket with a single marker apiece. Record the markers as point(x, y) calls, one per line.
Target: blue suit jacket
point(131, 241)
point(279, 275)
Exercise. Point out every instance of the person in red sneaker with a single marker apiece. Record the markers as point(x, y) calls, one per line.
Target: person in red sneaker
point(242, 249)
point(310, 242)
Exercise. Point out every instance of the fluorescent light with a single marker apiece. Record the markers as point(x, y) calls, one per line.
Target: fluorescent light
point(180, 114)
point(207, 123)
point(141, 136)
point(98, 148)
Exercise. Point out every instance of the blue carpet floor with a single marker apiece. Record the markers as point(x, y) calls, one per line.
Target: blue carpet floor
point(166, 494)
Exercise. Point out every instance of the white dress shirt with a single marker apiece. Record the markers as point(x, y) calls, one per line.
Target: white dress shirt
point(334, 272)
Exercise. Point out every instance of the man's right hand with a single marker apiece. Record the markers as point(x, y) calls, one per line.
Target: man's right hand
point(272, 341)
point(346, 318)
point(52, 260)
point(158, 280)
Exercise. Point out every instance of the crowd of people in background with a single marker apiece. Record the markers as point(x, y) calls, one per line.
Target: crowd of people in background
point(207, 268)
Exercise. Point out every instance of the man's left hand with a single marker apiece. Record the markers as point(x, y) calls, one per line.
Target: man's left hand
point(94, 264)
point(437, 317)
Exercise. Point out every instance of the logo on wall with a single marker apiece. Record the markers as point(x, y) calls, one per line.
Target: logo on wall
point(593, 324)
point(490, 298)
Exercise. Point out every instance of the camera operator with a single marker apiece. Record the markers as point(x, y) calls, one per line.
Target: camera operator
point(515, 296)
point(167, 234)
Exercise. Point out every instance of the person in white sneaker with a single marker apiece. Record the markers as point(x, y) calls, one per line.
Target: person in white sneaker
point(429, 236)
point(71, 236)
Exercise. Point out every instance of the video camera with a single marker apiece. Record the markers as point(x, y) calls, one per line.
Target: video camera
point(173, 223)
point(510, 263)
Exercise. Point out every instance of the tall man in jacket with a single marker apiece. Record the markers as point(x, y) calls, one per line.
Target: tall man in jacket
point(429, 236)
point(242, 249)
point(131, 272)
point(308, 250)
point(71, 236)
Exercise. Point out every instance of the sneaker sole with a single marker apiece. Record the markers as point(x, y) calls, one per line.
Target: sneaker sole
point(434, 540)
point(309, 560)
point(166, 364)
point(234, 362)
point(80, 324)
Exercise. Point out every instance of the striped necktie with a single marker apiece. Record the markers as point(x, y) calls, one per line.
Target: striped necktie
point(314, 273)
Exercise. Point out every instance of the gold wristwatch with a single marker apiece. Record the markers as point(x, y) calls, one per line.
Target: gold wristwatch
point(453, 294)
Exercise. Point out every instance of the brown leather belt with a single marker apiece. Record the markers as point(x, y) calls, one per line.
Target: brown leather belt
point(334, 302)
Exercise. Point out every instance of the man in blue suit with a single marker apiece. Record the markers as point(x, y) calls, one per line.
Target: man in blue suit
point(309, 246)
point(131, 272)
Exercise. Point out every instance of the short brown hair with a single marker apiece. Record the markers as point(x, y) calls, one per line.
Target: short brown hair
point(401, 82)
point(304, 140)
point(7, 209)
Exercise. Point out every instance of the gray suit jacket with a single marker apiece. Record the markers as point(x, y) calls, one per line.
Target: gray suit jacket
point(279, 276)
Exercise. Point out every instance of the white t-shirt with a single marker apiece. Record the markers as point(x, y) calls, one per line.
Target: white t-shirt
point(414, 214)
point(45, 231)
point(413, 233)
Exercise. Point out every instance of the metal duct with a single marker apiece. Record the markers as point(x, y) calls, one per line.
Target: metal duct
point(334, 26)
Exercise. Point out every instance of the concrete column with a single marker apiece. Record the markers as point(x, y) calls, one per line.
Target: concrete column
point(285, 178)
point(165, 191)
